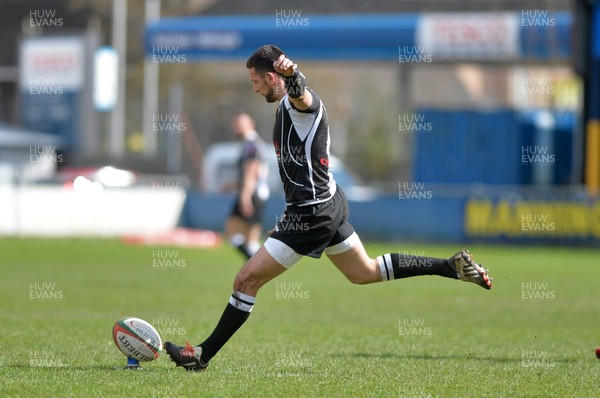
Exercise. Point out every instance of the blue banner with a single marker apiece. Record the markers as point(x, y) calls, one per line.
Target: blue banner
point(306, 36)
point(504, 36)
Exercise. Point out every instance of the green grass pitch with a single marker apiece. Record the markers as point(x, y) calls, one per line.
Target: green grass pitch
point(311, 333)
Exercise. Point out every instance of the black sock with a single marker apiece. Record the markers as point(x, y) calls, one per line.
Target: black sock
point(239, 242)
point(237, 311)
point(244, 250)
point(396, 266)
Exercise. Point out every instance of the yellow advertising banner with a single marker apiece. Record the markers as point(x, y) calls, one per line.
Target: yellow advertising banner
point(534, 219)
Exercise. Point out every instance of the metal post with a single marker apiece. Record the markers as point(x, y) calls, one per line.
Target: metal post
point(174, 139)
point(150, 99)
point(119, 42)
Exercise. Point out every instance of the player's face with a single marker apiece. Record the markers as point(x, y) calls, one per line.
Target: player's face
point(237, 128)
point(241, 125)
point(260, 84)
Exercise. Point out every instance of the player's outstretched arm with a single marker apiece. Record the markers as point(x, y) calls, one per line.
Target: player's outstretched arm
point(294, 82)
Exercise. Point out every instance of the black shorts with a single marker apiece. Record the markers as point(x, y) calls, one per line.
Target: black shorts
point(312, 230)
point(259, 209)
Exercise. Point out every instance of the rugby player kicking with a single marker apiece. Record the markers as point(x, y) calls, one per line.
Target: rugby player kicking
point(301, 140)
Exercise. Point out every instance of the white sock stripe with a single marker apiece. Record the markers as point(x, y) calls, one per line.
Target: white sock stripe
point(239, 305)
point(244, 297)
point(245, 303)
point(388, 263)
point(237, 239)
point(253, 247)
point(382, 268)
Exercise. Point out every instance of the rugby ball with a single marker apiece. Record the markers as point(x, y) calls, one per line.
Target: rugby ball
point(137, 339)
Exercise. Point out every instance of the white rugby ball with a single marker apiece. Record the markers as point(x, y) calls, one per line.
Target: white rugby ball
point(137, 339)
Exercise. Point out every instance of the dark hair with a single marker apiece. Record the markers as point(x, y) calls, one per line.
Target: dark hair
point(263, 58)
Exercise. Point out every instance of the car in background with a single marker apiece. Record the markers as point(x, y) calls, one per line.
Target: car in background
point(219, 173)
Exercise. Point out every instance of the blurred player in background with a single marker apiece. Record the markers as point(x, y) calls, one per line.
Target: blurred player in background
point(315, 221)
point(244, 225)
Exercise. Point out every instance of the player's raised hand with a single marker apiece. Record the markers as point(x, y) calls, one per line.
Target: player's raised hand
point(284, 66)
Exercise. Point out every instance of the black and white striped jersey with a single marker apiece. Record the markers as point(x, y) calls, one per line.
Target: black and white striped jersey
point(301, 140)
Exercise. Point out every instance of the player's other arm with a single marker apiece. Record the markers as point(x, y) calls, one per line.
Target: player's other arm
point(251, 171)
point(295, 84)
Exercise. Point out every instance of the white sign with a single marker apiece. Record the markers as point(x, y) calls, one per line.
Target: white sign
point(469, 36)
point(106, 70)
point(52, 63)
